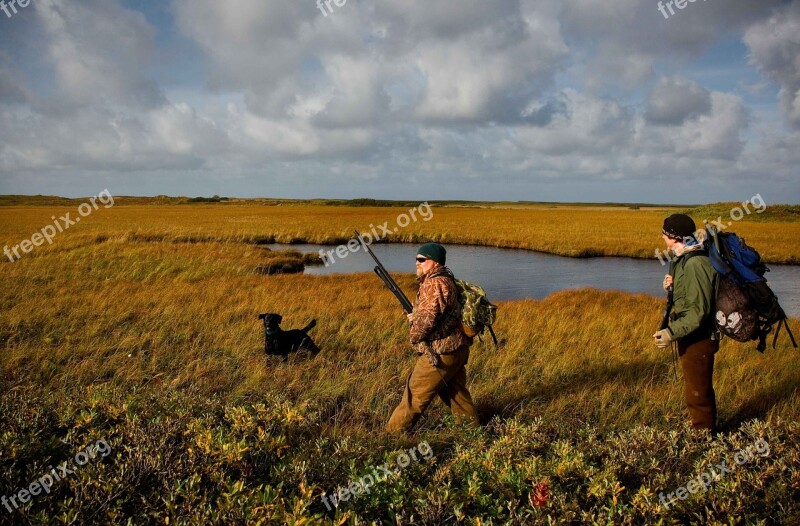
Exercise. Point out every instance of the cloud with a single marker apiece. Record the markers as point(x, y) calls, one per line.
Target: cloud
point(619, 67)
point(588, 126)
point(468, 94)
point(463, 60)
point(168, 137)
point(674, 100)
point(623, 40)
point(99, 51)
point(12, 88)
point(775, 49)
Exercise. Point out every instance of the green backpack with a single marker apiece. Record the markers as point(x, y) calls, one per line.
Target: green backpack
point(477, 312)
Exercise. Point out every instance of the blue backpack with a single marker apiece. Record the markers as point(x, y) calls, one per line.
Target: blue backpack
point(746, 308)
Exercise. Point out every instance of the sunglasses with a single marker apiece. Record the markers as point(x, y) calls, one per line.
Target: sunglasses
point(421, 260)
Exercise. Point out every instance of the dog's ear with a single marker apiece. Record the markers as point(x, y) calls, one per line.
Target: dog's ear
point(279, 318)
point(262, 316)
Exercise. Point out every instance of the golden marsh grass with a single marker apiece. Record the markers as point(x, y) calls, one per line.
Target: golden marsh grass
point(139, 325)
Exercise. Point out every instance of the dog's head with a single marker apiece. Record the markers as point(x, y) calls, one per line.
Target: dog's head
point(271, 320)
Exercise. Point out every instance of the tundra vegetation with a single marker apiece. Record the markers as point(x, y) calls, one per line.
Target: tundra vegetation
point(139, 327)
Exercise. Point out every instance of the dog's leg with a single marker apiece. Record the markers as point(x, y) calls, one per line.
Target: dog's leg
point(266, 339)
point(309, 345)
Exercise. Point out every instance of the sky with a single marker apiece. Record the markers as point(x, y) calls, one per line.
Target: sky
point(516, 100)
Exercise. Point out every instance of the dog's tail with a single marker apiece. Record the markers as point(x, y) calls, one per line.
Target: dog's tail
point(310, 326)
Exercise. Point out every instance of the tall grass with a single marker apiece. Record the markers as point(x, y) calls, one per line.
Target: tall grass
point(565, 230)
point(146, 333)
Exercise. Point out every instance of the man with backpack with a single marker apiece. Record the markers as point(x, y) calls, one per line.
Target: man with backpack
point(691, 324)
point(435, 321)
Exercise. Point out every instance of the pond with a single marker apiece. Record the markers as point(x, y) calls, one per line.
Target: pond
point(509, 274)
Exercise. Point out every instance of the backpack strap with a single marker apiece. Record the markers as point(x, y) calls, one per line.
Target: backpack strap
point(491, 331)
point(703, 252)
point(721, 258)
point(783, 321)
point(693, 253)
point(788, 330)
point(762, 340)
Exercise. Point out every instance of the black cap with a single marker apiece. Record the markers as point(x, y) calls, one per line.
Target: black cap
point(433, 251)
point(679, 227)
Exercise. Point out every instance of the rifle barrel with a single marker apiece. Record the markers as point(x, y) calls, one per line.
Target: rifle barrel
point(391, 284)
point(387, 279)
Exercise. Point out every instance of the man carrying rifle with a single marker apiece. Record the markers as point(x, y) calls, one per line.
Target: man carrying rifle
point(691, 322)
point(435, 321)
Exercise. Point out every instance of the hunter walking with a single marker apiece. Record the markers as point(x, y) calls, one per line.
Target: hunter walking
point(435, 321)
point(691, 323)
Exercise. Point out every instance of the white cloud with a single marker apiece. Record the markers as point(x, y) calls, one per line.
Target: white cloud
point(99, 52)
point(674, 100)
point(166, 137)
point(399, 92)
point(775, 49)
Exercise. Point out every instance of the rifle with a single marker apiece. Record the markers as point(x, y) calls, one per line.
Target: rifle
point(667, 309)
point(391, 284)
point(665, 323)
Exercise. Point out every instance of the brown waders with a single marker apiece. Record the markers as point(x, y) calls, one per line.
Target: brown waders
point(697, 364)
point(425, 383)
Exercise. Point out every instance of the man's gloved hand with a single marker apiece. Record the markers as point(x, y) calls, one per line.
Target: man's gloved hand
point(663, 338)
point(433, 359)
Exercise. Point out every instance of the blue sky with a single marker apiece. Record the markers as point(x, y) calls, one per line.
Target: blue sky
point(536, 100)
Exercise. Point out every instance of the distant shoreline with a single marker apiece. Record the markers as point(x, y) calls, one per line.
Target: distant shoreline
point(49, 200)
point(575, 231)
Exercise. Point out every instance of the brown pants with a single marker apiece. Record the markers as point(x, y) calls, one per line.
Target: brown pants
point(449, 382)
point(697, 364)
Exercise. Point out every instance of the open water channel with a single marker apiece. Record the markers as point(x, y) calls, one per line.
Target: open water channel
point(509, 274)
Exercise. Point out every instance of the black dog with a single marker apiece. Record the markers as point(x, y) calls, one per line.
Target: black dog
point(278, 342)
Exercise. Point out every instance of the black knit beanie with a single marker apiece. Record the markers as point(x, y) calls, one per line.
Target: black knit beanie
point(679, 227)
point(433, 251)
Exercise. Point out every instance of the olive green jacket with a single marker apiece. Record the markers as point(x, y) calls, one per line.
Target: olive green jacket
point(694, 282)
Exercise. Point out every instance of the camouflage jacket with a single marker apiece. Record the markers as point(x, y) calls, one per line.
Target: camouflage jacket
point(437, 313)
